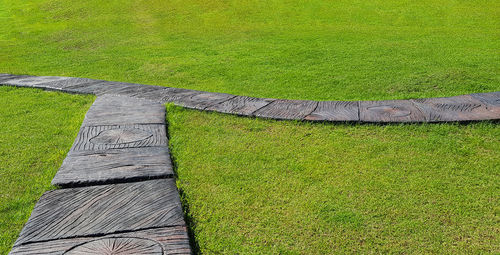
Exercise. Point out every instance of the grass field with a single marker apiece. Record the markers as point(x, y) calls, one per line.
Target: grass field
point(255, 186)
point(36, 131)
point(277, 187)
point(317, 49)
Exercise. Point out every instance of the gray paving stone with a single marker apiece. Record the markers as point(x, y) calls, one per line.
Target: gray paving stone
point(168, 240)
point(95, 88)
point(119, 137)
point(459, 108)
point(64, 83)
point(123, 110)
point(32, 81)
point(492, 98)
point(101, 210)
point(390, 111)
point(287, 109)
point(172, 240)
point(114, 165)
point(335, 111)
point(240, 105)
point(202, 100)
point(6, 77)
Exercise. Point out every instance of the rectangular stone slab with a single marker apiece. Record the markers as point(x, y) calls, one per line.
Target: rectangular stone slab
point(135, 90)
point(101, 210)
point(335, 111)
point(92, 138)
point(492, 98)
point(202, 100)
point(95, 88)
point(390, 111)
point(287, 109)
point(64, 83)
point(459, 108)
point(31, 81)
point(173, 240)
point(5, 77)
point(241, 105)
point(123, 110)
point(111, 166)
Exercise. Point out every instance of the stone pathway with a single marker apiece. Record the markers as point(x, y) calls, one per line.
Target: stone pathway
point(118, 194)
point(473, 107)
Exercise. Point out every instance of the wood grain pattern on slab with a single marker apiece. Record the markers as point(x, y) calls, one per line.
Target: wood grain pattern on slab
point(335, 111)
point(492, 99)
point(5, 77)
point(34, 80)
point(287, 109)
point(458, 108)
point(100, 210)
point(61, 84)
point(172, 240)
point(389, 111)
point(124, 110)
point(115, 165)
point(119, 137)
point(202, 100)
point(240, 105)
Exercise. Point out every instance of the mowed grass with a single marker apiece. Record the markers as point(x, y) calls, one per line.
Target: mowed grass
point(254, 186)
point(317, 49)
point(37, 129)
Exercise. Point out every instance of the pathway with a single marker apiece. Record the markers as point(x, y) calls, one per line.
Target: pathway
point(473, 107)
point(118, 190)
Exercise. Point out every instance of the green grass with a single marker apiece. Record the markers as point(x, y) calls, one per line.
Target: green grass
point(36, 131)
point(261, 186)
point(317, 49)
point(256, 186)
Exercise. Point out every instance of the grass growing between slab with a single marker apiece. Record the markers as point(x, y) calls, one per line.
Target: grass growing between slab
point(317, 49)
point(37, 129)
point(258, 186)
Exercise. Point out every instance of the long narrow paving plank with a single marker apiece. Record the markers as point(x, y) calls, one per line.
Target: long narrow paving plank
point(122, 110)
point(168, 240)
point(112, 166)
point(33, 81)
point(390, 111)
point(102, 210)
point(119, 137)
point(287, 109)
point(459, 108)
point(240, 105)
point(335, 111)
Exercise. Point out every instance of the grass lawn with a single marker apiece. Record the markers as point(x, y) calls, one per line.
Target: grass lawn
point(258, 186)
point(37, 129)
point(263, 186)
point(317, 49)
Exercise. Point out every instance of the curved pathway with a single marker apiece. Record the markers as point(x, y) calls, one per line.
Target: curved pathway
point(118, 193)
point(473, 107)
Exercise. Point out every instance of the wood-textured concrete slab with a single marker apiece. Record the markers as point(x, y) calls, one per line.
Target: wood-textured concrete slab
point(287, 109)
point(459, 108)
point(390, 111)
point(167, 240)
point(119, 136)
point(335, 111)
point(114, 165)
point(124, 110)
point(240, 105)
point(101, 210)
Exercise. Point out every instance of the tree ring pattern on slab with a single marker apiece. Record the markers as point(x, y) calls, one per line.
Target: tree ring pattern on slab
point(103, 137)
point(120, 136)
point(389, 110)
point(117, 246)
